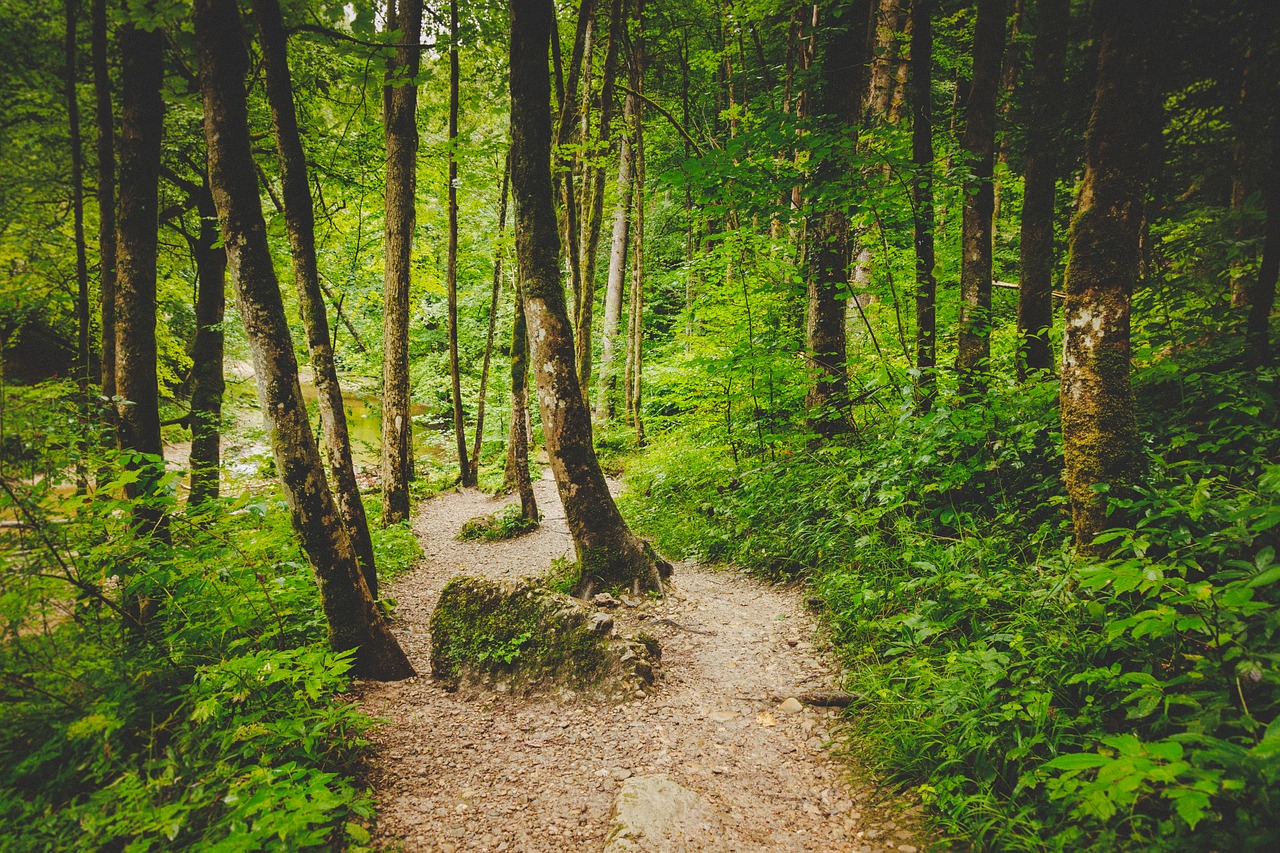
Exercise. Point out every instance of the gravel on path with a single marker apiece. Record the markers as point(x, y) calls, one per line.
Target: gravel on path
point(491, 772)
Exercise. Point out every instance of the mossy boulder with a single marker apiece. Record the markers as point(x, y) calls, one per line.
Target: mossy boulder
point(524, 638)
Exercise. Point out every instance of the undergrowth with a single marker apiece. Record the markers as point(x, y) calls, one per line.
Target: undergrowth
point(223, 727)
point(507, 523)
point(1037, 700)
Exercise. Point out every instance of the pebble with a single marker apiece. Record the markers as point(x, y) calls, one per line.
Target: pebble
point(791, 706)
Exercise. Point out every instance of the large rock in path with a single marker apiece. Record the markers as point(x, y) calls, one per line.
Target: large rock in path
point(655, 813)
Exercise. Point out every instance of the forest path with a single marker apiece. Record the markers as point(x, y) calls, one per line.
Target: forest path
point(459, 771)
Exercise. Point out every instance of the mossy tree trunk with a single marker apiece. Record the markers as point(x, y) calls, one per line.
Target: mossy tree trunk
point(1099, 427)
point(400, 103)
point(973, 358)
point(837, 109)
point(617, 263)
point(922, 197)
point(207, 381)
point(466, 476)
point(352, 615)
point(104, 118)
point(299, 218)
point(519, 410)
point(610, 554)
point(1035, 291)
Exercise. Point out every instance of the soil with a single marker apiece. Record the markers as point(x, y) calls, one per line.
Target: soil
point(492, 772)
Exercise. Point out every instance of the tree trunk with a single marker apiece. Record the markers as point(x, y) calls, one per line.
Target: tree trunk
point(922, 198)
point(493, 320)
point(1035, 292)
point(105, 120)
point(141, 128)
point(71, 9)
point(1262, 292)
point(1100, 437)
point(609, 553)
point(1004, 104)
point(1249, 127)
point(635, 322)
point(973, 358)
point(617, 261)
point(400, 100)
point(300, 222)
point(207, 383)
point(595, 217)
point(352, 615)
point(465, 473)
point(837, 108)
point(884, 60)
point(519, 409)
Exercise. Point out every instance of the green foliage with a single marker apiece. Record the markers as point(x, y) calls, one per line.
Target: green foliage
point(507, 523)
point(1036, 700)
point(219, 727)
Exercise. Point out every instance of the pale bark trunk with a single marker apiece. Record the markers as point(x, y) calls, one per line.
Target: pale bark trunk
point(1101, 444)
point(974, 345)
point(493, 321)
point(609, 553)
point(465, 474)
point(300, 223)
point(617, 265)
point(922, 198)
point(207, 382)
point(1035, 291)
point(635, 322)
point(400, 100)
point(352, 615)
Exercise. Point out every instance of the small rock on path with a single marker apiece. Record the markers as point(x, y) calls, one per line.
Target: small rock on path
point(489, 772)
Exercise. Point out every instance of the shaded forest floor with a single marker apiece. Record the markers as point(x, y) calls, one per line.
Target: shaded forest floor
point(486, 771)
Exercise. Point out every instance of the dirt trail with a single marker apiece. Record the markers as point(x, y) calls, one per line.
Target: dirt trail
point(490, 772)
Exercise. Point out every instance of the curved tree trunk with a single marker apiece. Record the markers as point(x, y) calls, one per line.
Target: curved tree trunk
point(352, 615)
point(207, 382)
point(1035, 291)
point(609, 553)
point(973, 358)
point(300, 221)
point(400, 102)
point(922, 199)
point(1100, 437)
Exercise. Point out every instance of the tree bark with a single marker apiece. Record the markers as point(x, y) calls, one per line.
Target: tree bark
point(137, 386)
point(583, 291)
point(1262, 291)
point(836, 110)
point(1100, 437)
point(465, 473)
point(1035, 292)
point(105, 120)
point(207, 382)
point(71, 10)
point(884, 60)
point(400, 100)
point(493, 320)
point(352, 615)
point(635, 322)
point(299, 217)
point(617, 261)
point(519, 408)
point(609, 553)
point(973, 358)
point(922, 199)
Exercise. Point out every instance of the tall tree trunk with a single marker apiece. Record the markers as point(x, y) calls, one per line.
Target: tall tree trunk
point(493, 320)
point(465, 473)
point(884, 60)
point(1249, 126)
point(922, 199)
point(519, 410)
point(609, 553)
point(400, 101)
point(596, 174)
point(1100, 437)
point(299, 218)
point(207, 383)
point(837, 110)
point(1262, 292)
point(1004, 105)
point(1035, 292)
point(617, 259)
point(635, 322)
point(141, 128)
point(71, 10)
point(349, 607)
point(903, 70)
point(973, 358)
point(105, 121)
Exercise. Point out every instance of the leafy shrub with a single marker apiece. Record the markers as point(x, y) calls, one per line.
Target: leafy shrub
point(507, 523)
